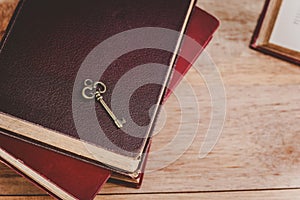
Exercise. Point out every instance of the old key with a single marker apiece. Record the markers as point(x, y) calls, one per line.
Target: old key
point(98, 95)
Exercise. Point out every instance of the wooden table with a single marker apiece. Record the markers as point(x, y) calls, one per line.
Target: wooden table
point(258, 154)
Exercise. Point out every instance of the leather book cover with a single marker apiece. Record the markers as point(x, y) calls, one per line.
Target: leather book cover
point(47, 60)
point(201, 27)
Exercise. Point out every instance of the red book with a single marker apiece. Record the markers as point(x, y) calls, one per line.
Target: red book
point(201, 28)
point(61, 176)
point(84, 180)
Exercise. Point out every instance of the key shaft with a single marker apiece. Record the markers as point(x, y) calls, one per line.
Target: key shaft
point(99, 98)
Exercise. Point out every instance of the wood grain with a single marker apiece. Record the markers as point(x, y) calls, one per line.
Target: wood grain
point(247, 195)
point(6, 10)
point(259, 146)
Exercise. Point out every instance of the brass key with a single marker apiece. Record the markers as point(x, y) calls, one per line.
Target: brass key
point(99, 98)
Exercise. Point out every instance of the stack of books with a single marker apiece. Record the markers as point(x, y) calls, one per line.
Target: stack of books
point(82, 84)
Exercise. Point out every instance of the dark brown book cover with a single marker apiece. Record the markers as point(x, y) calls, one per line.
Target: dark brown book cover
point(201, 28)
point(45, 47)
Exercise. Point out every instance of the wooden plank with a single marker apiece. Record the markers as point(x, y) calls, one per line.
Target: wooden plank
point(6, 10)
point(254, 195)
point(259, 147)
point(11, 183)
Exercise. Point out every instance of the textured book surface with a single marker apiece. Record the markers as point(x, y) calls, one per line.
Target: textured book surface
point(41, 90)
point(198, 30)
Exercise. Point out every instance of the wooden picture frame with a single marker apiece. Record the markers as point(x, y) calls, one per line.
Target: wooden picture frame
point(261, 39)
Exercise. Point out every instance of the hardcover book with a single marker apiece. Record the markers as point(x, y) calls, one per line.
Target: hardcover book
point(47, 62)
point(278, 29)
point(61, 176)
point(201, 28)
